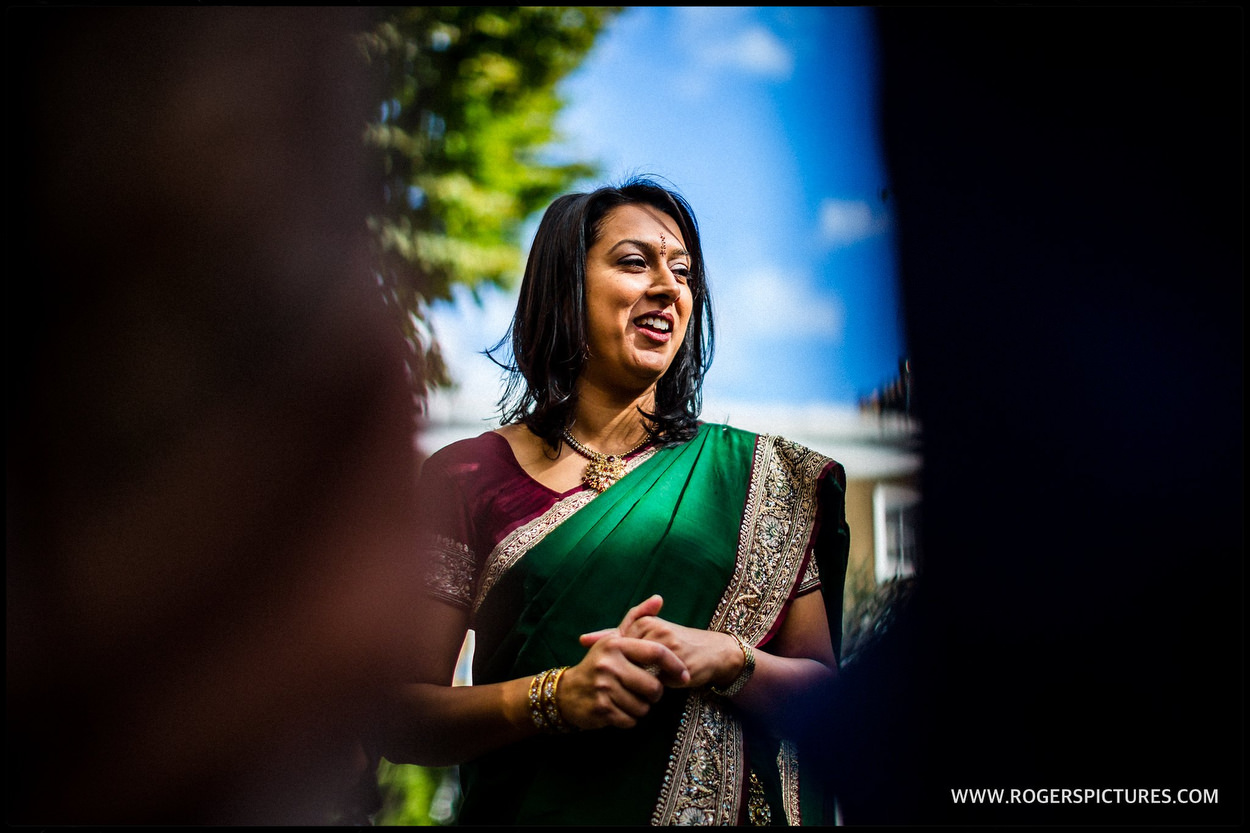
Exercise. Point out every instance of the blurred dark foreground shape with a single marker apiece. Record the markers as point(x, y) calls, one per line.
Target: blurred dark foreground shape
point(1069, 192)
point(209, 451)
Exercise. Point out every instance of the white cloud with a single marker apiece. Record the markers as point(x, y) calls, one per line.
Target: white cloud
point(754, 50)
point(848, 221)
point(695, 23)
point(784, 304)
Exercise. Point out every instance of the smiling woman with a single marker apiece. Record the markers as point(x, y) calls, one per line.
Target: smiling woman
point(650, 595)
point(638, 302)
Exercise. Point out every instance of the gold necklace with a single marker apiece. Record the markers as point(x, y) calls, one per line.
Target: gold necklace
point(604, 469)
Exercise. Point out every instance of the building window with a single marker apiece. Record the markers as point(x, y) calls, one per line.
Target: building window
point(896, 521)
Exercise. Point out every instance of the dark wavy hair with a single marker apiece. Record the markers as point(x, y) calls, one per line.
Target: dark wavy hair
point(548, 335)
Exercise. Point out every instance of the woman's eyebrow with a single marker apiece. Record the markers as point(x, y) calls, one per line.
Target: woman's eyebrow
point(651, 247)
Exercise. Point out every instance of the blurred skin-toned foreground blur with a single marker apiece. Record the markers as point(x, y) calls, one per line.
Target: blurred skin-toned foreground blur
point(209, 456)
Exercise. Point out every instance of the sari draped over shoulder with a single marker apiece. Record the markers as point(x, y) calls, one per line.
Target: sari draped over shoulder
point(726, 527)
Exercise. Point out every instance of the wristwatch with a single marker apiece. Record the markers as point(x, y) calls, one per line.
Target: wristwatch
point(748, 668)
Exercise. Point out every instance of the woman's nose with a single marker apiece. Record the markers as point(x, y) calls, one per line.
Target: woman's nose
point(664, 283)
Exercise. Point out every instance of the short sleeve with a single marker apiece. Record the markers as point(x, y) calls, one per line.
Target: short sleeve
point(447, 538)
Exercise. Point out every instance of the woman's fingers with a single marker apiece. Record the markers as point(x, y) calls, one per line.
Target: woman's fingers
point(620, 677)
point(647, 607)
point(646, 654)
point(596, 699)
point(613, 686)
point(588, 639)
point(707, 655)
point(650, 627)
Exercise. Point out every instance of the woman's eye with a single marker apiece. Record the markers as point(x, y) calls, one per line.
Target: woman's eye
point(634, 262)
point(682, 271)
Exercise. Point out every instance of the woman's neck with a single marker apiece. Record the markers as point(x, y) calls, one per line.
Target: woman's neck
point(608, 421)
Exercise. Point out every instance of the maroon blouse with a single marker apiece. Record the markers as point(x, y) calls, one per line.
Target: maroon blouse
point(474, 494)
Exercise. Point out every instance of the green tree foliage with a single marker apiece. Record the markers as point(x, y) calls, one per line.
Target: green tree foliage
point(409, 796)
point(463, 131)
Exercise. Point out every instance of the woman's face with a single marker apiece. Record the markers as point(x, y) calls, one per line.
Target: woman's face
point(638, 298)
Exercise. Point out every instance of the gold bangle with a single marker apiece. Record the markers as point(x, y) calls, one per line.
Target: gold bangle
point(553, 702)
point(543, 701)
point(535, 700)
point(748, 668)
point(550, 714)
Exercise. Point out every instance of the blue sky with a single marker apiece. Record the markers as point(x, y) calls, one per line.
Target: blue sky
point(763, 117)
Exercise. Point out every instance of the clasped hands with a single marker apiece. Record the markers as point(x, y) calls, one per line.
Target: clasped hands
point(627, 668)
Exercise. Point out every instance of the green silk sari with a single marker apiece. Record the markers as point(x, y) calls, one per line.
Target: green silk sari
point(722, 528)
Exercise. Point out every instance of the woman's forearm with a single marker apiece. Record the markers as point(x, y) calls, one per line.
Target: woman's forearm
point(794, 673)
point(784, 692)
point(440, 725)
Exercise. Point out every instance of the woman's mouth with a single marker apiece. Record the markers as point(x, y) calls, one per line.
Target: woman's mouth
point(658, 327)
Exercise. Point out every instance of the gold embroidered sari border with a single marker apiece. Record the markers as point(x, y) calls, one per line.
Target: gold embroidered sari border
point(777, 524)
point(788, 766)
point(703, 781)
point(699, 788)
